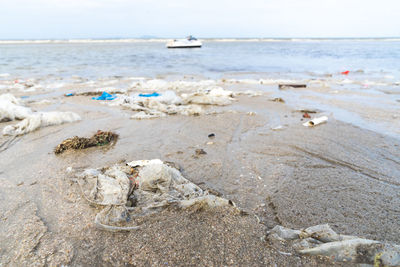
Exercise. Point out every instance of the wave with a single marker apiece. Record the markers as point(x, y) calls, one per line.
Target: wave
point(162, 40)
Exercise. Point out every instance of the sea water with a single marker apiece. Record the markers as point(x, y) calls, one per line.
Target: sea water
point(92, 59)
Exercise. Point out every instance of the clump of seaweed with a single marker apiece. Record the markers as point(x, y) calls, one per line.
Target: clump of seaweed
point(98, 139)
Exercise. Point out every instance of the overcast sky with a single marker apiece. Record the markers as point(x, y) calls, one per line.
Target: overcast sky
point(47, 19)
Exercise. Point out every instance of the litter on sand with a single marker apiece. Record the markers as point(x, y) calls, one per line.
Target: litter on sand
point(38, 120)
point(98, 139)
point(316, 121)
point(11, 108)
point(105, 96)
point(138, 189)
point(321, 240)
point(150, 95)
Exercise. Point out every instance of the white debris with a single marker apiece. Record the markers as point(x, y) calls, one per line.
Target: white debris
point(11, 109)
point(215, 96)
point(140, 188)
point(40, 119)
point(316, 121)
point(321, 240)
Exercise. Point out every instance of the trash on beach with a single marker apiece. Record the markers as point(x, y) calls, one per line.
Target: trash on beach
point(69, 94)
point(211, 135)
point(288, 85)
point(214, 96)
point(321, 240)
point(139, 189)
point(11, 108)
point(105, 96)
point(277, 128)
point(169, 103)
point(345, 72)
point(316, 121)
point(306, 115)
point(98, 139)
point(278, 99)
point(150, 95)
point(38, 120)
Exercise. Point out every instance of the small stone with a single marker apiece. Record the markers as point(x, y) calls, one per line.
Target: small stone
point(200, 151)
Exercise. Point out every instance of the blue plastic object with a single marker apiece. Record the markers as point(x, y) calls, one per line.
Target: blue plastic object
point(150, 95)
point(70, 94)
point(105, 96)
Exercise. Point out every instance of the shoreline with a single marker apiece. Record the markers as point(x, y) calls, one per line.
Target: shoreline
point(295, 176)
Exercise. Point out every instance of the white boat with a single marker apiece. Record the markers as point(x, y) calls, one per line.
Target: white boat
point(189, 42)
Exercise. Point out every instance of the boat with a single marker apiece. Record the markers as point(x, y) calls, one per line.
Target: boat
point(189, 42)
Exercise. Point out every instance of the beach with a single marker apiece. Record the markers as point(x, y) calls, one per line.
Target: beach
point(257, 153)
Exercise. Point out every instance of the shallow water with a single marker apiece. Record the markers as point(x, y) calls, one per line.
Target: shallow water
point(214, 59)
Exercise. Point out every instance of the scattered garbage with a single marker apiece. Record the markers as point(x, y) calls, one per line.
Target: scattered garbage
point(138, 189)
point(289, 85)
point(321, 240)
point(278, 99)
point(11, 109)
point(316, 121)
point(306, 115)
point(40, 119)
point(69, 94)
point(98, 139)
point(211, 135)
point(345, 72)
point(105, 96)
point(200, 151)
point(168, 103)
point(277, 128)
point(150, 95)
point(215, 96)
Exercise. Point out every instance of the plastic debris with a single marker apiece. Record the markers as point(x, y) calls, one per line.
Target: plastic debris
point(168, 103)
point(98, 139)
point(70, 94)
point(40, 119)
point(321, 240)
point(105, 96)
point(306, 115)
point(150, 95)
point(11, 109)
point(345, 72)
point(138, 189)
point(211, 135)
point(316, 121)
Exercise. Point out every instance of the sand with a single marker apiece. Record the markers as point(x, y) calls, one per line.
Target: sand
point(294, 176)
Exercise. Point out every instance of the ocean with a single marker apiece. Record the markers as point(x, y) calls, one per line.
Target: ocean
point(102, 58)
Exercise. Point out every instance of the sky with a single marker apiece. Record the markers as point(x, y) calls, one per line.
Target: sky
point(74, 19)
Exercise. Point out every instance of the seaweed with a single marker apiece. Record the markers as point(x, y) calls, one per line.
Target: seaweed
point(99, 139)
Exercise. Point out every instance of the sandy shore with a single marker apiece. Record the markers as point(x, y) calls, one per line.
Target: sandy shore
point(334, 173)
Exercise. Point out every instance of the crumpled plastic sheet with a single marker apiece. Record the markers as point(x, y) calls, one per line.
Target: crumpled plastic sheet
point(138, 189)
point(169, 103)
point(40, 119)
point(321, 240)
point(11, 108)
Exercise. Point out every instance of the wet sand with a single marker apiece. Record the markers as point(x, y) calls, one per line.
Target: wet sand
point(334, 173)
